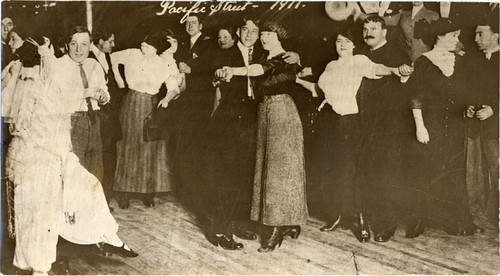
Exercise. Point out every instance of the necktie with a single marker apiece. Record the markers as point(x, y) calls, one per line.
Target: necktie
point(250, 56)
point(110, 75)
point(250, 86)
point(85, 83)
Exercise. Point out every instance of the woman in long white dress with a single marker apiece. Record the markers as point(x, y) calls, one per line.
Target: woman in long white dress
point(54, 195)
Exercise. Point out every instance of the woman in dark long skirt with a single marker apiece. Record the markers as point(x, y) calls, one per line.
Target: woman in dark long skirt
point(142, 165)
point(339, 136)
point(437, 165)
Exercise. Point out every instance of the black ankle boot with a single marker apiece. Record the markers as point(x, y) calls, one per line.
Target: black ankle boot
point(275, 239)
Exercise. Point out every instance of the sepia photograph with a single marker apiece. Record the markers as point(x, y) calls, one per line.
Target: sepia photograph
point(249, 138)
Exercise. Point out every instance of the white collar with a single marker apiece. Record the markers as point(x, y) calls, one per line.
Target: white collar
point(488, 53)
point(194, 38)
point(443, 59)
point(95, 50)
point(69, 60)
point(243, 47)
point(415, 10)
point(379, 46)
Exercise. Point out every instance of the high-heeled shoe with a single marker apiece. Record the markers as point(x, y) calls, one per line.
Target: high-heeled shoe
point(363, 229)
point(108, 250)
point(339, 222)
point(275, 239)
point(292, 231)
point(415, 228)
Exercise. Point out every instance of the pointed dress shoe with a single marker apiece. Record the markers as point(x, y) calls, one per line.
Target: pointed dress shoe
point(242, 233)
point(415, 229)
point(339, 222)
point(227, 243)
point(108, 250)
point(383, 236)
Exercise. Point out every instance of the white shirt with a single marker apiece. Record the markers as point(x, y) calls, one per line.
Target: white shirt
point(415, 10)
point(143, 74)
point(101, 57)
point(244, 52)
point(193, 39)
point(341, 80)
point(490, 52)
point(67, 79)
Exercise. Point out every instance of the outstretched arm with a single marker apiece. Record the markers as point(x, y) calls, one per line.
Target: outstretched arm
point(312, 87)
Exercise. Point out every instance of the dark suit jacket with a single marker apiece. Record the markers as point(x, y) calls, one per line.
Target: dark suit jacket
point(197, 56)
point(483, 90)
point(115, 92)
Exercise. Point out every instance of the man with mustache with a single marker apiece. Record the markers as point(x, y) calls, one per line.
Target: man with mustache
point(384, 119)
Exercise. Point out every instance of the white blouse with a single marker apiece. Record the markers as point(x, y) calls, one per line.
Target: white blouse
point(341, 80)
point(145, 74)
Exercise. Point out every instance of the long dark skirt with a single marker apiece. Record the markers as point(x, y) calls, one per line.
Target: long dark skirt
point(340, 143)
point(141, 166)
point(279, 190)
point(437, 181)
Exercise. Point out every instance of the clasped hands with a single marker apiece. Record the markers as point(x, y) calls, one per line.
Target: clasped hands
point(98, 94)
point(483, 113)
point(224, 74)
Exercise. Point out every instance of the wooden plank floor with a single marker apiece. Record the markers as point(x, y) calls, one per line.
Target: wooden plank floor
point(169, 242)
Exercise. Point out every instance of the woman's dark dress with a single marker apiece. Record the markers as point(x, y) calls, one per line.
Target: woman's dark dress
point(437, 169)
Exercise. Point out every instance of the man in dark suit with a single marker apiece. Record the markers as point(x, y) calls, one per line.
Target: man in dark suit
point(482, 127)
point(231, 148)
point(385, 119)
point(103, 44)
point(193, 56)
point(231, 141)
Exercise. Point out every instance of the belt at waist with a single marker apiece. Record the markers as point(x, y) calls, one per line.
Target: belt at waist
point(80, 114)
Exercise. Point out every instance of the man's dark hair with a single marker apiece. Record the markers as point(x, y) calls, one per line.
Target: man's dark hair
point(375, 19)
point(200, 20)
point(77, 30)
point(493, 28)
point(100, 34)
point(245, 19)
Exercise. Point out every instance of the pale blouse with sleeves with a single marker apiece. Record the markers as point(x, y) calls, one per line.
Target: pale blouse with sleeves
point(341, 80)
point(172, 66)
point(143, 74)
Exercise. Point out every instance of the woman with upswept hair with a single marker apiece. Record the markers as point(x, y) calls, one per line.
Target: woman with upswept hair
point(142, 165)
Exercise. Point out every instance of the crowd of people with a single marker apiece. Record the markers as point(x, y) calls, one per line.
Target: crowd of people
point(406, 131)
